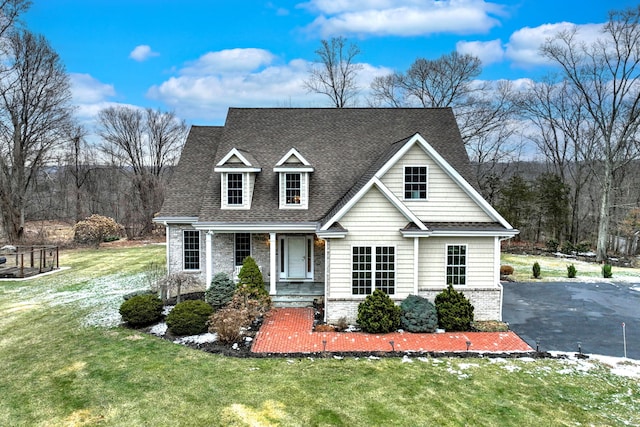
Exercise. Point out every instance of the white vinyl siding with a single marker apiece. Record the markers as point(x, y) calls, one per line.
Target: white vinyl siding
point(372, 222)
point(480, 261)
point(444, 195)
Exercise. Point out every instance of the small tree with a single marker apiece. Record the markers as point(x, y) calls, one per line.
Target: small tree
point(378, 313)
point(221, 291)
point(536, 270)
point(455, 312)
point(250, 280)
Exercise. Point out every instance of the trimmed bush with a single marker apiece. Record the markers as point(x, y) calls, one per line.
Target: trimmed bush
point(141, 310)
point(571, 271)
point(378, 314)
point(536, 270)
point(418, 314)
point(506, 270)
point(221, 291)
point(189, 317)
point(96, 229)
point(607, 271)
point(250, 280)
point(552, 245)
point(455, 312)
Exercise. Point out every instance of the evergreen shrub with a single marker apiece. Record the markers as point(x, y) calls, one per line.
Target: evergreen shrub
point(571, 271)
point(552, 245)
point(607, 271)
point(536, 270)
point(221, 291)
point(251, 282)
point(455, 312)
point(189, 317)
point(418, 314)
point(141, 310)
point(378, 313)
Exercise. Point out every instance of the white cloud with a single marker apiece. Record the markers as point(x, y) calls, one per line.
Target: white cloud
point(524, 45)
point(85, 89)
point(246, 78)
point(142, 53)
point(488, 52)
point(403, 18)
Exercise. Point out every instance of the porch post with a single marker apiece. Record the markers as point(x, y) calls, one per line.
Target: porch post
point(167, 241)
point(208, 253)
point(272, 264)
point(416, 263)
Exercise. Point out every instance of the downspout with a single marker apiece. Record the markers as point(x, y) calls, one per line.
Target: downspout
point(272, 261)
point(416, 263)
point(167, 232)
point(208, 253)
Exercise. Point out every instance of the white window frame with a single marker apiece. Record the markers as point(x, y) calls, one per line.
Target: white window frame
point(184, 250)
point(283, 257)
point(242, 192)
point(374, 271)
point(235, 248)
point(465, 265)
point(405, 183)
point(304, 189)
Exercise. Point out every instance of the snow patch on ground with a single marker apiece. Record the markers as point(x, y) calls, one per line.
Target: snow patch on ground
point(197, 339)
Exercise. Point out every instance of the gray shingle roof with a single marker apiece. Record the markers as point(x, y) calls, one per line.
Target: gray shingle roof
point(344, 146)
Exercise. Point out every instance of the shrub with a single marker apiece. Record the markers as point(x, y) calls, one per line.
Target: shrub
point(506, 270)
point(567, 247)
point(230, 321)
point(418, 314)
point(552, 245)
point(378, 313)
point(325, 328)
point(189, 317)
point(136, 293)
point(96, 229)
point(221, 291)
point(571, 271)
point(584, 246)
point(250, 280)
point(607, 272)
point(536, 270)
point(342, 324)
point(141, 310)
point(455, 312)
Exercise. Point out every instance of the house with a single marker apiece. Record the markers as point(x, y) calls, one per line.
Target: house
point(337, 202)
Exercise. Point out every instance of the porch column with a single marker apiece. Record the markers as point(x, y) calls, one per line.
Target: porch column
point(208, 263)
point(272, 264)
point(167, 242)
point(416, 264)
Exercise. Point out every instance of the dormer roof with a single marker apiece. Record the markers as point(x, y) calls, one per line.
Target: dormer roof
point(237, 160)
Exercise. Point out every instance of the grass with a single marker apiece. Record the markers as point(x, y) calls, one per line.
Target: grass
point(59, 370)
point(556, 268)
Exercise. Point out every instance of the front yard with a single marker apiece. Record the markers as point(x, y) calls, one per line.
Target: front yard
point(66, 363)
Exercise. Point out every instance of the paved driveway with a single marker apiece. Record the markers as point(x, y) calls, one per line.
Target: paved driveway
point(560, 314)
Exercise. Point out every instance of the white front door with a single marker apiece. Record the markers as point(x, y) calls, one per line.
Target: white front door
point(296, 257)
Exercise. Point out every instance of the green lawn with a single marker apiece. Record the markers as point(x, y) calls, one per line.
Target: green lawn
point(63, 365)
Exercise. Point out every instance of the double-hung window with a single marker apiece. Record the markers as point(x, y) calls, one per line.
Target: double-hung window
point(373, 267)
point(191, 250)
point(234, 189)
point(292, 188)
point(415, 182)
point(242, 247)
point(457, 264)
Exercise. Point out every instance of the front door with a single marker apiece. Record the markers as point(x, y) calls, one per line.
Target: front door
point(296, 257)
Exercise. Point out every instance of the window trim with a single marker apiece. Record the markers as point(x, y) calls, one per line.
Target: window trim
point(235, 248)
point(405, 183)
point(283, 258)
point(292, 189)
point(195, 250)
point(304, 189)
point(373, 273)
point(465, 265)
point(228, 196)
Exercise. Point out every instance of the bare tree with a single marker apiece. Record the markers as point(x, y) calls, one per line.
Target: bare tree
point(606, 74)
point(143, 142)
point(35, 98)
point(10, 10)
point(80, 161)
point(334, 73)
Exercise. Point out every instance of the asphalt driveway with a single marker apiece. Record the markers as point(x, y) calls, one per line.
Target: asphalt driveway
point(561, 314)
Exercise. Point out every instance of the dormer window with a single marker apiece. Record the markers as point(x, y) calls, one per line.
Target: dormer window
point(234, 189)
point(294, 176)
point(415, 182)
point(238, 174)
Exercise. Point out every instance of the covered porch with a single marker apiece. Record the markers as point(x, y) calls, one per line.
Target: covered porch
point(297, 294)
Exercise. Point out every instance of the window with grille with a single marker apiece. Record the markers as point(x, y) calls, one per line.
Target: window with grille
point(457, 264)
point(191, 249)
point(292, 186)
point(242, 247)
point(367, 275)
point(415, 182)
point(234, 189)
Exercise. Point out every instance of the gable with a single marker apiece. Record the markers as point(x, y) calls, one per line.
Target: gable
point(374, 215)
point(444, 195)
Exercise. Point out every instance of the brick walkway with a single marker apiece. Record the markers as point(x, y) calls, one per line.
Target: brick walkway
point(289, 330)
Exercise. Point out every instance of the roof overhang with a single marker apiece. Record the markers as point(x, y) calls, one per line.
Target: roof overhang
point(175, 219)
point(237, 169)
point(264, 227)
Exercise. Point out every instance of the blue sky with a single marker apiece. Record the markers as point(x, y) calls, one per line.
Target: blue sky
point(199, 57)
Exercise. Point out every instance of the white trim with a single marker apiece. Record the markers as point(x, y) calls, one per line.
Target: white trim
point(208, 262)
point(283, 243)
point(387, 193)
point(273, 264)
point(496, 259)
point(230, 227)
point(167, 241)
point(165, 220)
point(466, 262)
point(234, 152)
point(296, 153)
point(404, 183)
point(460, 233)
point(304, 191)
point(373, 268)
point(416, 264)
point(199, 251)
point(239, 170)
point(293, 169)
